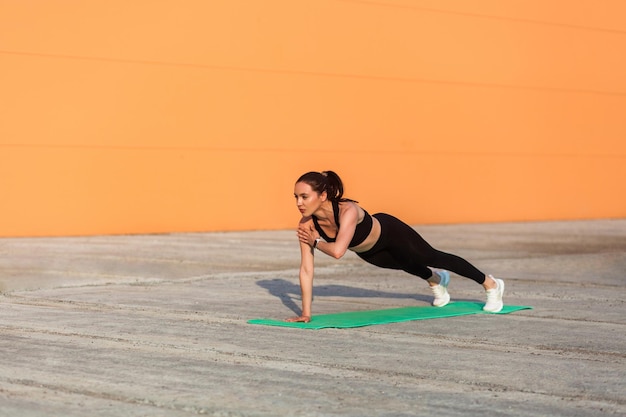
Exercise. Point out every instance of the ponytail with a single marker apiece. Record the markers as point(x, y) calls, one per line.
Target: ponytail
point(327, 181)
point(334, 186)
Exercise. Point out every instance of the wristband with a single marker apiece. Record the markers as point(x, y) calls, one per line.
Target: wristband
point(316, 242)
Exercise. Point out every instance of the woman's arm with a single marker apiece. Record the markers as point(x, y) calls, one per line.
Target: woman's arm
point(348, 217)
point(306, 275)
point(307, 236)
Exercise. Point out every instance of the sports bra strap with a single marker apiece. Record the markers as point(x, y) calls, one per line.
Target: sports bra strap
point(336, 212)
point(361, 231)
point(319, 228)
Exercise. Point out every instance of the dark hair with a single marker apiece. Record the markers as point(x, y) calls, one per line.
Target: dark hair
point(327, 181)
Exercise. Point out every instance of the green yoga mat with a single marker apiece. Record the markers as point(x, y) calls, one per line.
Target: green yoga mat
point(394, 315)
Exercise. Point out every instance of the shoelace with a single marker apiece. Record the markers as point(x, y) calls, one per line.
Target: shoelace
point(438, 290)
point(493, 295)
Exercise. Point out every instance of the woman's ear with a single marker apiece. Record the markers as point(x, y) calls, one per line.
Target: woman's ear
point(324, 196)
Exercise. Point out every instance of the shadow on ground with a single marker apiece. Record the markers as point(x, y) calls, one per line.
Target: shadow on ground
point(289, 293)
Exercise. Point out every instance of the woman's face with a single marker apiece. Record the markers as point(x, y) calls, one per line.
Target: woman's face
point(307, 200)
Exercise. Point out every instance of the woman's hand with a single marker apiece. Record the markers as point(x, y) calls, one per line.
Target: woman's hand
point(307, 234)
point(299, 319)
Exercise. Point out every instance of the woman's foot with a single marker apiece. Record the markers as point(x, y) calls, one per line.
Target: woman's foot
point(440, 290)
point(494, 295)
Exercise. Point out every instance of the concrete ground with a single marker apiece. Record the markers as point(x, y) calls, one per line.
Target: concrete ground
point(156, 326)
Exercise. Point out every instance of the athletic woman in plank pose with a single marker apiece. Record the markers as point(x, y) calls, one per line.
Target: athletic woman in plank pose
point(333, 224)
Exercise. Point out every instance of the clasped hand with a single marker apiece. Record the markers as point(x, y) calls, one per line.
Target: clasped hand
point(307, 234)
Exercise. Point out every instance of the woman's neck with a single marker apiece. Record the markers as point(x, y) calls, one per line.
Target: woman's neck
point(326, 211)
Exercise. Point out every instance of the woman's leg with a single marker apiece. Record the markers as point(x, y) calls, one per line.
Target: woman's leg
point(386, 255)
point(413, 253)
point(401, 247)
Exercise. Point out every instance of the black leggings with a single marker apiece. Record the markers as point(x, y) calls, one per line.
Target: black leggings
point(401, 247)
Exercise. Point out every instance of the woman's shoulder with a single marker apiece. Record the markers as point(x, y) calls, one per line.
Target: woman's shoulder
point(348, 207)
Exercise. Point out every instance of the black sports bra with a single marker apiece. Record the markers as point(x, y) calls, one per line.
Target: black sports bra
point(361, 232)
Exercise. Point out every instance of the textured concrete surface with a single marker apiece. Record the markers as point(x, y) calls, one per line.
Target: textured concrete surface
point(156, 326)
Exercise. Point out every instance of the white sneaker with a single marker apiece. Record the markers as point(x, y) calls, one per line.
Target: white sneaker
point(494, 297)
point(441, 291)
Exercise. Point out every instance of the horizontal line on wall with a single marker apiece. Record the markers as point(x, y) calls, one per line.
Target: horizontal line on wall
point(484, 16)
point(287, 150)
point(316, 73)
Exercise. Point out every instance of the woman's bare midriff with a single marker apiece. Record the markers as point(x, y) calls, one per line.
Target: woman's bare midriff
point(370, 240)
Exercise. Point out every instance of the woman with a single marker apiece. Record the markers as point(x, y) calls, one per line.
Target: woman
point(333, 224)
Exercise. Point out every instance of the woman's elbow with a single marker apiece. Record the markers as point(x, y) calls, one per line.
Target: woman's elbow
point(338, 254)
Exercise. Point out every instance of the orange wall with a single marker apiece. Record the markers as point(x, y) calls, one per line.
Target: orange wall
point(161, 115)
